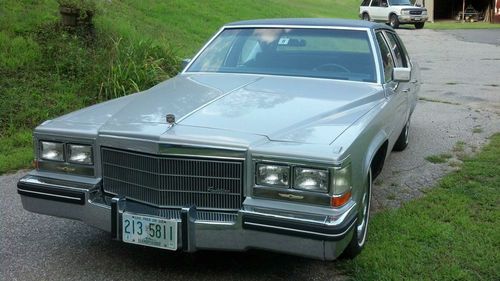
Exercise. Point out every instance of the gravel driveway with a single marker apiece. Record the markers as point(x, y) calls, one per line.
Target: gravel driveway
point(458, 110)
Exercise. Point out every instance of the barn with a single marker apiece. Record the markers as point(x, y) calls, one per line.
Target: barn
point(483, 10)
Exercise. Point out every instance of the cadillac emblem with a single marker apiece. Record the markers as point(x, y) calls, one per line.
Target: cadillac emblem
point(171, 119)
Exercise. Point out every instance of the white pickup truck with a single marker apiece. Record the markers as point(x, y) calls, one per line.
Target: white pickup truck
point(394, 12)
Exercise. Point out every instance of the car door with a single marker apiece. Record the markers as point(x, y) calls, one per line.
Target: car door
point(414, 84)
point(375, 10)
point(402, 59)
point(396, 92)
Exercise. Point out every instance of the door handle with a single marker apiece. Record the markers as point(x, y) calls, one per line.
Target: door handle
point(414, 81)
point(405, 90)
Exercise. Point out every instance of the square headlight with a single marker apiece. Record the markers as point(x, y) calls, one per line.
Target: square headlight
point(311, 179)
point(53, 151)
point(80, 154)
point(272, 175)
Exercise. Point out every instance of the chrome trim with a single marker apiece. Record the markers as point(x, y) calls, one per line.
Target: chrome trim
point(327, 220)
point(50, 194)
point(35, 180)
point(295, 26)
point(303, 231)
point(167, 181)
point(279, 75)
point(217, 152)
point(375, 57)
point(292, 195)
point(295, 161)
point(202, 49)
point(66, 168)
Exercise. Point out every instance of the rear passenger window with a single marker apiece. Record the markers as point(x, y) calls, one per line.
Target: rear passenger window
point(387, 58)
point(397, 50)
point(365, 3)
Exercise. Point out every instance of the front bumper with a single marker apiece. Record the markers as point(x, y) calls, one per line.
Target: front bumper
point(256, 225)
point(412, 18)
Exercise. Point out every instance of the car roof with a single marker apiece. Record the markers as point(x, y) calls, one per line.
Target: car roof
point(320, 22)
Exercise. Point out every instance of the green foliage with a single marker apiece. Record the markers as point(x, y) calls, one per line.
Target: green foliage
point(17, 52)
point(437, 159)
point(82, 5)
point(135, 66)
point(16, 151)
point(453, 233)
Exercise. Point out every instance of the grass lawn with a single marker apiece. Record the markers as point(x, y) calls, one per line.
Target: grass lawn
point(453, 233)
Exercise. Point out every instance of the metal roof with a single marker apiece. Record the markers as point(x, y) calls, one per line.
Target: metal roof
point(311, 22)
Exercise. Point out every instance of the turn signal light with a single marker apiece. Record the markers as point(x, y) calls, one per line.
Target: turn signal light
point(340, 200)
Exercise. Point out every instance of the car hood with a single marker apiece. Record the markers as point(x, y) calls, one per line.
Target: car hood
point(409, 7)
point(291, 109)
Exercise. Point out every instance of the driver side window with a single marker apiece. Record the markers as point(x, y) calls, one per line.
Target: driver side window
point(387, 59)
point(375, 3)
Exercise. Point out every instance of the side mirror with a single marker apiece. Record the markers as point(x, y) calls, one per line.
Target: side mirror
point(185, 62)
point(401, 74)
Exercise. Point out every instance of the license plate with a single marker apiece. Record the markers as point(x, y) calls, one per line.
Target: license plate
point(149, 231)
point(417, 19)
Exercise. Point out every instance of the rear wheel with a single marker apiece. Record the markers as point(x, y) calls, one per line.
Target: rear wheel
point(394, 21)
point(361, 229)
point(419, 25)
point(366, 17)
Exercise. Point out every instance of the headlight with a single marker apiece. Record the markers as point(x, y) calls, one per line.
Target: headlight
point(272, 175)
point(405, 12)
point(311, 179)
point(52, 151)
point(80, 154)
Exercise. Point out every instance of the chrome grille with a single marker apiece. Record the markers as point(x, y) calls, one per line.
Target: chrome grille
point(167, 181)
point(415, 12)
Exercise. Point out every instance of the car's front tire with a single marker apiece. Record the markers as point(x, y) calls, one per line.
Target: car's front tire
point(358, 239)
point(366, 17)
point(394, 21)
point(403, 138)
point(419, 25)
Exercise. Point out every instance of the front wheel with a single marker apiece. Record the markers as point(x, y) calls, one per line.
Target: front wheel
point(358, 239)
point(394, 21)
point(366, 17)
point(403, 139)
point(419, 25)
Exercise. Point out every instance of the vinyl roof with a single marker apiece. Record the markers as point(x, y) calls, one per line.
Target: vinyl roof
point(330, 22)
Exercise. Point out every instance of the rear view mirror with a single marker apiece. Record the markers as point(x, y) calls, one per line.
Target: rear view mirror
point(401, 74)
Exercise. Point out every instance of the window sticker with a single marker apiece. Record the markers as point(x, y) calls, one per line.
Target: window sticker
point(283, 41)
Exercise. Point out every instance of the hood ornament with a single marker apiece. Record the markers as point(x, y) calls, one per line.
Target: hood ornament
point(170, 119)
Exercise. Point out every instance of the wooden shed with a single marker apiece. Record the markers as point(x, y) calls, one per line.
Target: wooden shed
point(489, 10)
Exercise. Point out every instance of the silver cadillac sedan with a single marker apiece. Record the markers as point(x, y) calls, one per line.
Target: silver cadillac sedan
point(269, 138)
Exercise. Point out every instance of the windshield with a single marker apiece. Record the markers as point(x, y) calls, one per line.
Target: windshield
point(321, 53)
point(400, 3)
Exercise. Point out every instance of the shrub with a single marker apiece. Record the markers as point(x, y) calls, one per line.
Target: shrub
point(136, 66)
